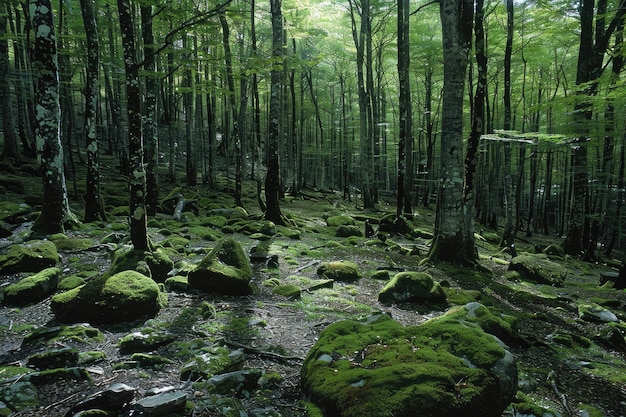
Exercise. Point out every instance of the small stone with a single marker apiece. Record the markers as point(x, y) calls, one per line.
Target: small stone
point(164, 404)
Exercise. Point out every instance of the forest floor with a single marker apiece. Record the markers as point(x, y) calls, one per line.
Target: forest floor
point(277, 332)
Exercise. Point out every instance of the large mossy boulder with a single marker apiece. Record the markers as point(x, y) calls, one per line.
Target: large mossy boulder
point(376, 367)
point(31, 256)
point(32, 289)
point(155, 264)
point(339, 271)
point(225, 270)
point(340, 220)
point(538, 268)
point(124, 297)
point(411, 286)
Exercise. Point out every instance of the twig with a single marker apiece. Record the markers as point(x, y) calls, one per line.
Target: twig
point(63, 400)
point(256, 351)
point(302, 268)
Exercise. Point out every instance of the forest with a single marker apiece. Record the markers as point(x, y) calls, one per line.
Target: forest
point(470, 149)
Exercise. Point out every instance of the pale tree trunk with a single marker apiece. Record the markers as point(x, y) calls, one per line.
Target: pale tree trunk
point(451, 242)
point(10, 152)
point(150, 122)
point(93, 199)
point(272, 178)
point(137, 180)
point(55, 212)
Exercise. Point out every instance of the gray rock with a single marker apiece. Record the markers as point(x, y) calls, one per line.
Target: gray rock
point(114, 398)
point(19, 395)
point(55, 358)
point(145, 340)
point(217, 360)
point(410, 286)
point(164, 404)
point(596, 313)
point(235, 381)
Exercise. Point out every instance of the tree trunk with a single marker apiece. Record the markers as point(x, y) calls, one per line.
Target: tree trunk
point(403, 202)
point(94, 209)
point(272, 177)
point(150, 128)
point(137, 184)
point(55, 212)
point(451, 243)
point(10, 152)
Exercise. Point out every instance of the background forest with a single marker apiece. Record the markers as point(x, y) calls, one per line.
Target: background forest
point(551, 154)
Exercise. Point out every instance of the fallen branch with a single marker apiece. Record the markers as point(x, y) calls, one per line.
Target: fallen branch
point(257, 351)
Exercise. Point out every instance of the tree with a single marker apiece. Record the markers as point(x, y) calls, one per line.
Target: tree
point(452, 242)
point(137, 178)
point(272, 177)
point(10, 152)
point(55, 212)
point(406, 118)
point(94, 209)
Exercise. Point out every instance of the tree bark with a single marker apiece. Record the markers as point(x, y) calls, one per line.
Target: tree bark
point(94, 209)
point(55, 212)
point(451, 242)
point(137, 180)
point(272, 177)
point(403, 203)
point(10, 152)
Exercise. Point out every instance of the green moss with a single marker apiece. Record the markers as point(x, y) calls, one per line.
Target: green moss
point(290, 291)
point(539, 269)
point(339, 270)
point(33, 288)
point(459, 296)
point(65, 243)
point(31, 256)
point(71, 282)
point(128, 259)
point(91, 356)
point(378, 367)
point(340, 220)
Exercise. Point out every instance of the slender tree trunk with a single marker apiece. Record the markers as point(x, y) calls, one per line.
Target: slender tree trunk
point(451, 242)
point(137, 184)
point(150, 128)
point(405, 110)
point(510, 222)
point(10, 152)
point(94, 209)
point(272, 178)
point(55, 212)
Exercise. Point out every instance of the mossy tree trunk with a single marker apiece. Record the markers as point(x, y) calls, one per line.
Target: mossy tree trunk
point(137, 181)
point(272, 178)
point(452, 241)
point(94, 209)
point(55, 211)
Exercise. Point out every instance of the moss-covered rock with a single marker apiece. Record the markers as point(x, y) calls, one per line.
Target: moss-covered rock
point(71, 282)
point(78, 333)
point(123, 297)
point(19, 396)
point(32, 289)
point(31, 256)
point(500, 325)
point(55, 358)
point(64, 242)
point(595, 313)
point(376, 367)
point(340, 220)
point(348, 231)
point(212, 361)
point(538, 268)
point(339, 271)
point(128, 259)
point(177, 283)
point(145, 340)
point(410, 286)
point(225, 270)
point(10, 211)
point(290, 291)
